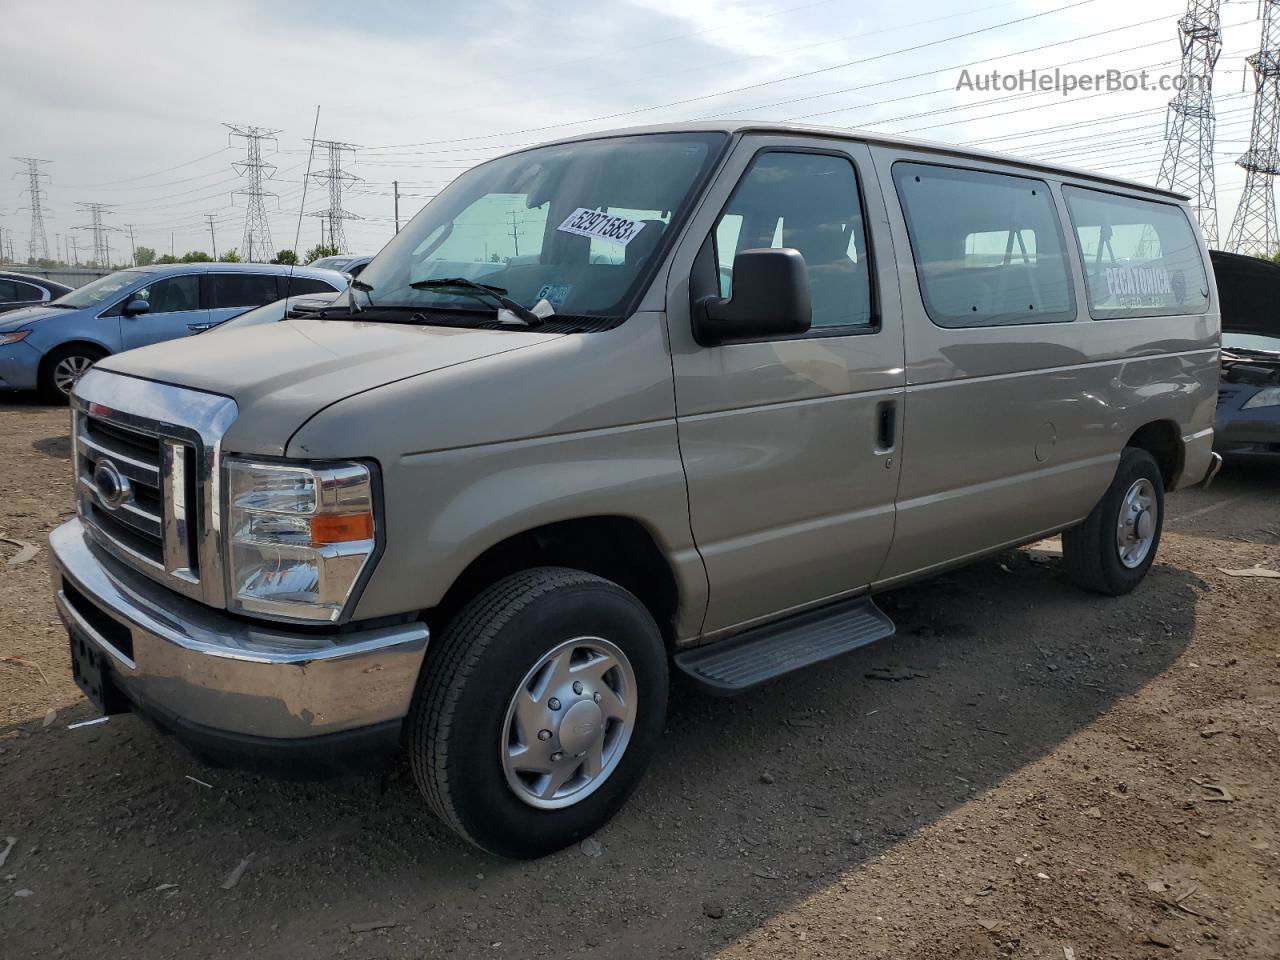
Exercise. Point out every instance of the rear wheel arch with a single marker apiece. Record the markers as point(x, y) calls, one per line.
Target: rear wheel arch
point(1163, 440)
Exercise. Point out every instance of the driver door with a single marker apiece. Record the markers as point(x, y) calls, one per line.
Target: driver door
point(790, 443)
point(175, 307)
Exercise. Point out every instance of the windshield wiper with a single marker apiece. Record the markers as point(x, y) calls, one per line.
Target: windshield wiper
point(482, 291)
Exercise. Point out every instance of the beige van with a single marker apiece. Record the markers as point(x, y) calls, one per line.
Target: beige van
point(675, 397)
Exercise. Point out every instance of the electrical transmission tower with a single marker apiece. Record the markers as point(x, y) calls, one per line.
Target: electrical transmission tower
point(101, 245)
point(256, 245)
point(1254, 229)
point(332, 232)
point(38, 243)
point(1189, 123)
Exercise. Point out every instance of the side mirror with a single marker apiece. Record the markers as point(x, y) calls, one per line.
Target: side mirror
point(770, 298)
point(135, 307)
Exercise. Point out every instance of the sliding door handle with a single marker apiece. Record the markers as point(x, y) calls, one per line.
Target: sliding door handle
point(886, 426)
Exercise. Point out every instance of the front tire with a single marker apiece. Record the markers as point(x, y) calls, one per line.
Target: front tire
point(1116, 545)
point(538, 711)
point(62, 370)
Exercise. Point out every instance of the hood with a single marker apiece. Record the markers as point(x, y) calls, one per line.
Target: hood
point(1248, 293)
point(283, 373)
point(20, 319)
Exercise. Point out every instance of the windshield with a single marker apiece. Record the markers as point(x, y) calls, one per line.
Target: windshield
point(331, 263)
point(1250, 341)
point(575, 224)
point(102, 289)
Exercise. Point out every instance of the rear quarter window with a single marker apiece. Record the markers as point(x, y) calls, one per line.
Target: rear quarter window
point(1141, 258)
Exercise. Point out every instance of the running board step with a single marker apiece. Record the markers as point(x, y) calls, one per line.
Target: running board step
point(737, 664)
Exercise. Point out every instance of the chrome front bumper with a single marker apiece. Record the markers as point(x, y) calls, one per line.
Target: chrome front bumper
point(200, 668)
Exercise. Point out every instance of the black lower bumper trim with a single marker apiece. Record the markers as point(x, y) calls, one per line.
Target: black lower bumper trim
point(361, 750)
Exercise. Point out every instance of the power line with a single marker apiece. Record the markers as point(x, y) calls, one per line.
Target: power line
point(257, 229)
point(38, 242)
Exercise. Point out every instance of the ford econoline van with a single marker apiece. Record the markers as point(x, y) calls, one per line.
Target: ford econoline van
point(679, 398)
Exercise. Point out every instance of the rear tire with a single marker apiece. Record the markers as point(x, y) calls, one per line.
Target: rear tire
point(1116, 545)
point(63, 368)
point(538, 711)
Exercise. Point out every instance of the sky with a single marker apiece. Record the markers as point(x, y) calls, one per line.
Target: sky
point(129, 99)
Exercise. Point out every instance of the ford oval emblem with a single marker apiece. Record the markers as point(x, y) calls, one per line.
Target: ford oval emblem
point(113, 488)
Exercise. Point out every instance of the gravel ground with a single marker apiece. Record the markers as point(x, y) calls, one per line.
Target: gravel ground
point(1025, 770)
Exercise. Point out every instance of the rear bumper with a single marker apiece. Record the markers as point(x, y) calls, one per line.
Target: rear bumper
point(238, 693)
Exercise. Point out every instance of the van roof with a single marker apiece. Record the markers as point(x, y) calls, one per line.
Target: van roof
point(876, 137)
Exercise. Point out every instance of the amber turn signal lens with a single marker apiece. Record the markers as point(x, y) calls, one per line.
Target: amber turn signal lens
point(341, 527)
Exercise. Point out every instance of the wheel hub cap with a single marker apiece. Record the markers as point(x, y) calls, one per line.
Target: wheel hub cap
point(568, 723)
point(1136, 524)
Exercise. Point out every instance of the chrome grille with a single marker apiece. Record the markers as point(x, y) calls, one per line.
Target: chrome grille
point(146, 459)
point(131, 512)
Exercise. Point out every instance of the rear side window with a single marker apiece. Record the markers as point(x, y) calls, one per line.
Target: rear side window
point(242, 289)
point(1141, 257)
point(988, 248)
point(296, 286)
point(26, 292)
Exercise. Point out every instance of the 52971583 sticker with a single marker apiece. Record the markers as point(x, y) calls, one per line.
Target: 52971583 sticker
point(600, 225)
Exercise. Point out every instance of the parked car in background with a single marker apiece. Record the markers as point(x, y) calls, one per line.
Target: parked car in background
point(50, 346)
point(345, 263)
point(289, 307)
point(1248, 421)
point(18, 290)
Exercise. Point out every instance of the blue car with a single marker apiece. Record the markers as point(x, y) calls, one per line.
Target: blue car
point(50, 346)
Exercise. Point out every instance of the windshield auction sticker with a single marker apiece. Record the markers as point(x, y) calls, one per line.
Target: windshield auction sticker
point(600, 225)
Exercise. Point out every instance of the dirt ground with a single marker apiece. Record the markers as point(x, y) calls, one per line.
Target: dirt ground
point(1047, 774)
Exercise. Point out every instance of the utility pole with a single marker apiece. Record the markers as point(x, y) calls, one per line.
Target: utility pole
point(212, 239)
point(38, 242)
point(516, 233)
point(101, 246)
point(66, 249)
point(1189, 124)
point(256, 245)
point(171, 253)
point(1254, 229)
point(395, 185)
point(133, 247)
point(75, 251)
point(337, 179)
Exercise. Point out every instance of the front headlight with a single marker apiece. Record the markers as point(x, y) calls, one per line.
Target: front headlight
point(1268, 397)
point(298, 538)
point(8, 338)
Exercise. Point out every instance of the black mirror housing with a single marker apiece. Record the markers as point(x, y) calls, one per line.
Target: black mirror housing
point(135, 307)
point(770, 299)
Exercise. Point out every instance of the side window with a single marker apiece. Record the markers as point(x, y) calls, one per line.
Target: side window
point(1141, 257)
point(26, 292)
point(9, 291)
point(987, 246)
point(242, 289)
point(809, 202)
point(296, 286)
point(171, 295)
